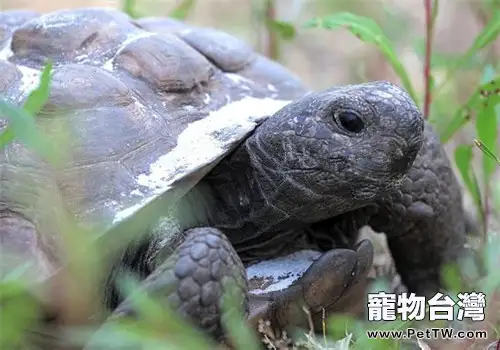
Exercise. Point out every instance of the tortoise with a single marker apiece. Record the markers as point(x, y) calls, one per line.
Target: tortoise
point(199, 162)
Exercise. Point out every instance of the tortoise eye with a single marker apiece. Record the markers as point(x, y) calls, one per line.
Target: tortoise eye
point(351, 121)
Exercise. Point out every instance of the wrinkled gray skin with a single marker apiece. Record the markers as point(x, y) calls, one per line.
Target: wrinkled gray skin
point(302, 179)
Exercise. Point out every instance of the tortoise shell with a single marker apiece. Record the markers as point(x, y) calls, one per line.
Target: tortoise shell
point(140, 110)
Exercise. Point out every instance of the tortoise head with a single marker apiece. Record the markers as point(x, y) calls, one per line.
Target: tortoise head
point(333, 151)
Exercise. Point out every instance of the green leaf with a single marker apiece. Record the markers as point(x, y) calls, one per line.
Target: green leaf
point(6, 137)
point(484, 38)
point(285, 30)
point(20, 310)
point(394, 23)
point(490, 257)
point(463, 160)
point(234, 320)
point(488, 152)
point(182, 10)
point(38, 97)
point(129, 8)
point(152, 323)
point(34, 103)
point(435, 10)
point(445, 60)
point(486, 95)
point(23, 126)
point(486, 129)
point(451, 278)
point(17, 272)
point(368, 31)
point(488, 74)
point(21, 120)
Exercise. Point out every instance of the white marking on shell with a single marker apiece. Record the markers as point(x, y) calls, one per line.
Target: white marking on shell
point(62, 19)
point(238, 79)
point(6, 52)
point(238, 118)
point(30, 79)
point(207, 99)
point(185, 31)
point(137, 192)
point(108, 65)
point(278, 274)
point(131, 37)
point(242, 82)
point(272, 88)
point(122, 214)
point(134, 36)
point(201, 144)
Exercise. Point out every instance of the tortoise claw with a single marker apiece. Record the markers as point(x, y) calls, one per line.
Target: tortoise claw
point(330, 282)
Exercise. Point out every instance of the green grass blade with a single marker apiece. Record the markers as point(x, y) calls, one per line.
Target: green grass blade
point(488, 152)
point(129, 8)
point(154, 311)
point(484, 38)
point(488, 74)
point(18, 312)
point(486, 95)
point(435, 10)
point(463, 160)
point(285, 30)
point(21, 120)
point(367, 30)
point(155, 322)
point(6, 137)
point(33, 104)
point(38, 97)
point(233, 322)
point(182, 10)
point(23, 126)
point(486, 129)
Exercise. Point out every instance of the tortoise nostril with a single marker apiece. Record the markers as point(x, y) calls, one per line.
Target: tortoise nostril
point(402, 154)
point(401, 164)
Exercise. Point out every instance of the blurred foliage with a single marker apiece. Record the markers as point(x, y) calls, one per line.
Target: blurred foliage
point(181, 11)
point(369, 31)
point(382, 27)
point(21, 122)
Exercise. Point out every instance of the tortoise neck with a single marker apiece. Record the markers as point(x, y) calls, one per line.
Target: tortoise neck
point(232, 198)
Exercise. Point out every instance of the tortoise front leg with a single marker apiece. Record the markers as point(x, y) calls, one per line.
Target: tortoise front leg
point(192, 279)
point(424, 220)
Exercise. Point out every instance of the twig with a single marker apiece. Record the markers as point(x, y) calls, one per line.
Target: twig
point(429, 27)
point(272, 37)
